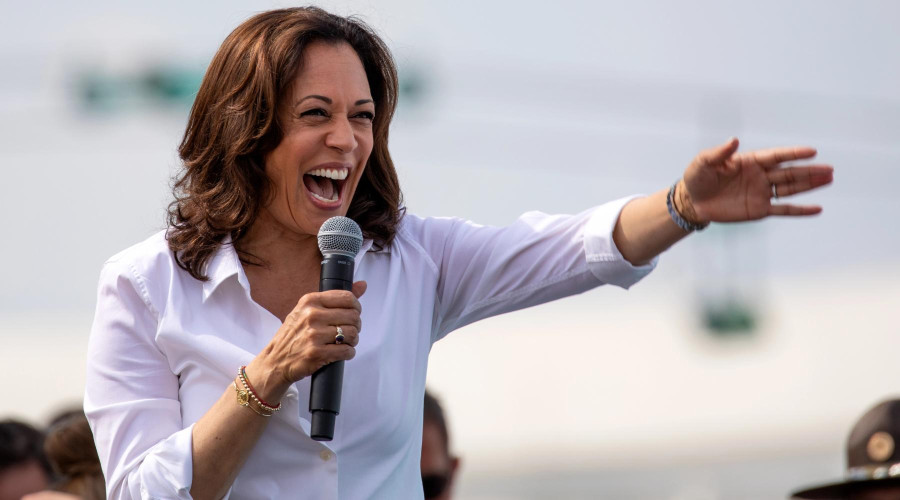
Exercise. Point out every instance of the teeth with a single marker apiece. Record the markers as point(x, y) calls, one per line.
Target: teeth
point(331, 173)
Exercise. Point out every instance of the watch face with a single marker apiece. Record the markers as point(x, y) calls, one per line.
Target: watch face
point(243, 398)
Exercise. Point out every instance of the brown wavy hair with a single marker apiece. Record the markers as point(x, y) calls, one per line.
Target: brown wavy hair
point(234, 123)
point(70, 447)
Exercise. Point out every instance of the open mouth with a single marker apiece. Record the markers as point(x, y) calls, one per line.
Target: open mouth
point(326, 184)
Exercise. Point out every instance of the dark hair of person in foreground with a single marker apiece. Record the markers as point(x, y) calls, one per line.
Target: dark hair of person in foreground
point(23, 466)
point(70, 448)
point(438, 465)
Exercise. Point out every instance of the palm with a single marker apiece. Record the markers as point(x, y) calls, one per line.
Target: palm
point(726, 186)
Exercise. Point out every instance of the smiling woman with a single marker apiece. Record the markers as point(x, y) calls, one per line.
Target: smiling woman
point(206, 335)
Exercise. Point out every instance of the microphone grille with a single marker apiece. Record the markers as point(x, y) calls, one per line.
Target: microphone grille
point(340, 235)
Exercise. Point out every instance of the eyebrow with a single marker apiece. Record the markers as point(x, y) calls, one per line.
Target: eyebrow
point(328, 100)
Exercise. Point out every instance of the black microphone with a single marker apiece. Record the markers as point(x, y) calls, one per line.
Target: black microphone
point(339, 241)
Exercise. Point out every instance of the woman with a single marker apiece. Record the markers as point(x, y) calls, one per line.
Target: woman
point(206, 335)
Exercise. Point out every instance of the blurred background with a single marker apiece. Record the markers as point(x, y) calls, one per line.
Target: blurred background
point(734, 371)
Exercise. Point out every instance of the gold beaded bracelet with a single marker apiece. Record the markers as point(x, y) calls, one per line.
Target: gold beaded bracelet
point(243, 399)
point(249, 388)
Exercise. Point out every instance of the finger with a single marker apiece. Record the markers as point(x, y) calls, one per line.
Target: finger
point(359, 288)
point(720, 153)
point(330, 352)
point(348, 353)
point(793, 180)
point(351, 335)
point(335, 299)
point(802, 178)
point(319, 316)
point(337, 352)
point(328, 319)
point(794, 210)
point(769, 158)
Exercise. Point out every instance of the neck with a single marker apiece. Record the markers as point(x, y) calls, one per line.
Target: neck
point(277, 247)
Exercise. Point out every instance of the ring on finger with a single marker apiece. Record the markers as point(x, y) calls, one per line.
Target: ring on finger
point(339, 338)
point(774, 191)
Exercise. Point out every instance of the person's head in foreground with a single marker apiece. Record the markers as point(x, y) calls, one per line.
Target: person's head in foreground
point(71, 451)
point(438, 465)
point(873, 459)
point(23, 466)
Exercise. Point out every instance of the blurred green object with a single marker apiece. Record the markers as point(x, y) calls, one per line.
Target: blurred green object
point(412, 85)
point(171, 84)
point(177, 85)
point(97, 92)
point(729, 318)
point(101, 91)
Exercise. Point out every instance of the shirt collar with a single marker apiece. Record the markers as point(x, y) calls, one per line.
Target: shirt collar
point(366, 246)
point(225, 263)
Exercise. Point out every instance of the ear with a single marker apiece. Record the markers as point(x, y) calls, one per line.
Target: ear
point(451, 478)
point(454, 465)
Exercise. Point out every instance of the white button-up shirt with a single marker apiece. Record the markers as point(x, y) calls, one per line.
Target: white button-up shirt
point(164, 346)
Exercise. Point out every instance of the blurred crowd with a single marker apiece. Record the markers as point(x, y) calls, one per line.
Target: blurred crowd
point(56, 463)
point(61, 462)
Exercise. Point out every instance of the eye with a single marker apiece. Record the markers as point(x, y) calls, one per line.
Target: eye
point(366, 115)
point(314, 112)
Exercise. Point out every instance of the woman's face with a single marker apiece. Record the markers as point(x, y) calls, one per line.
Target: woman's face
point(327, 120)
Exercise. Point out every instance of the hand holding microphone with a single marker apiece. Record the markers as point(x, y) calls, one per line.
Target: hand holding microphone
point(306, 344)
point(339, 241)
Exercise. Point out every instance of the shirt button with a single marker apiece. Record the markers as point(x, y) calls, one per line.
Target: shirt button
point(325, 455)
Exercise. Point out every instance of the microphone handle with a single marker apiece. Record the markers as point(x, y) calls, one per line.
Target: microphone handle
point(327, 382)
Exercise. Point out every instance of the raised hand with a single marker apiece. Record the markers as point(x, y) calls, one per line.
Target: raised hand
point(722, 185)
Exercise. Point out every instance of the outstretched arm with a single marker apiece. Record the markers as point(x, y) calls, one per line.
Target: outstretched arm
point(720, 185)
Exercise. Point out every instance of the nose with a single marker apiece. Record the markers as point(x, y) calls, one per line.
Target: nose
point(340, 136)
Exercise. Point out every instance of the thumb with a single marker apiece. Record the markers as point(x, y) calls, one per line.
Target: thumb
point(359, 288)
point(719, 153)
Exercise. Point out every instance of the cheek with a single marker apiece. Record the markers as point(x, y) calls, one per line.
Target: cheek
point(281, 168)
point(280, 180)
point(366, 145)
point(366, 141)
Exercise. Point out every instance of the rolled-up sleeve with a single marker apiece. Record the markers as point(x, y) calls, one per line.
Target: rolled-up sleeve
point(131, 395)
point(485, 271)
point(600, 251)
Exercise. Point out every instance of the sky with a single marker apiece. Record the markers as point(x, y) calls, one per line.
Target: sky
point(609, 100)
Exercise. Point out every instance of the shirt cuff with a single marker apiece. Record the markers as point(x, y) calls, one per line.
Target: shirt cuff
point(603, 257)
point(167, 470)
